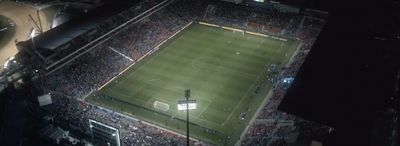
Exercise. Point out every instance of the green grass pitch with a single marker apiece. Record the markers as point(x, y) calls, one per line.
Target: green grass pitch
point(222, 69)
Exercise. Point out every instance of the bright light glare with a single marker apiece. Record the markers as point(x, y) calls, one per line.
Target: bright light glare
point(183, 106)
point(33, 33)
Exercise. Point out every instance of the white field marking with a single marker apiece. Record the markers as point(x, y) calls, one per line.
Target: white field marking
point(159, 99)
point(261, 42)
point(241, 100)
point(121, 54)
point(173, 89)
point(176, 113)
point(229, 116)
point(140, 119)
point(282, 44)
point(267, 98)
point(152, 80)
point(147, 53)
point(198, 116)
point(204, 109)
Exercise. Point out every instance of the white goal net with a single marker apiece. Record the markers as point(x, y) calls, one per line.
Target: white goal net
point(238, 32)
point(161, 106)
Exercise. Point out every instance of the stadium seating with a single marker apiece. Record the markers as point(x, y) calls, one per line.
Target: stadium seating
point(86, 74)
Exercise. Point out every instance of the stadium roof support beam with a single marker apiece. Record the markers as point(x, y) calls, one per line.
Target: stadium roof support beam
point(56, 65)
point(36, 23)
point(187, 95)
point(40, 22)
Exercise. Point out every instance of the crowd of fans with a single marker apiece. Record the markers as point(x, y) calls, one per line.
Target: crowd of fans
point(269, 22)
point(107, 25)
point(78, 79)
point(89, 72)
point(75, 114)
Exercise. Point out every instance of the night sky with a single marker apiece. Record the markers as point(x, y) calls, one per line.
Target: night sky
point(349, 76)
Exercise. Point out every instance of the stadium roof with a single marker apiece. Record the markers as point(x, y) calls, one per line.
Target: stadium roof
point(66, 32)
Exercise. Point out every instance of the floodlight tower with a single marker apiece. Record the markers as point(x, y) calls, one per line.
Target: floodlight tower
point(187, 95)
point(187, 105)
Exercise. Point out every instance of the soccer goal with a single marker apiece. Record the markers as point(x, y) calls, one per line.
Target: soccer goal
point(161, 106)
point(238, 32)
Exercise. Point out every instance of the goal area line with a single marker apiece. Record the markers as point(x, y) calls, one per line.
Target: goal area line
point(244, 31)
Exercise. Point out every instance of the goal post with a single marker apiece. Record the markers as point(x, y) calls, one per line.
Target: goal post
point(161, 106)
point(234, 30)
point(238, 32)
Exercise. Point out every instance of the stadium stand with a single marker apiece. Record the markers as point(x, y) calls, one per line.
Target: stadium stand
point(65, 43)
point(82, 76)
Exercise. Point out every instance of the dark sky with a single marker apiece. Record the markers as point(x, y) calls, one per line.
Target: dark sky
point(348, 76)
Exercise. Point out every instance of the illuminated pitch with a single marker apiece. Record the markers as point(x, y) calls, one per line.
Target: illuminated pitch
point(225, 71)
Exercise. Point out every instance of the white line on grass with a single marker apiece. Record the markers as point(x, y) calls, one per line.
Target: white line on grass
point(241, 100)
point(282, 44)
point(152, 80)
point(267, 98)
point(204, 109)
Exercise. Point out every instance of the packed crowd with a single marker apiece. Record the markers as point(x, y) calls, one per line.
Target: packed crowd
point(89, 72)
point(107, 25)
point(78, 79)
point(75, 115)
point(270, 22)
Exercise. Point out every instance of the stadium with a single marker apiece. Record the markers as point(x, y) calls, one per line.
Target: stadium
point(216, 111)
point(125, 73)
point(237, 63)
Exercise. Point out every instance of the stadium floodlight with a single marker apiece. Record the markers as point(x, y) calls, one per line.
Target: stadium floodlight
point(33, 33)
point(187, 105)
point(288, 80)
point(182, 105)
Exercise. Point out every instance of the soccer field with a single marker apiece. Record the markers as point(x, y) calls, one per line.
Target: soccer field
point(222, 69)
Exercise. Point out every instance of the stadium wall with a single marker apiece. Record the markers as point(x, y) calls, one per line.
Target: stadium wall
point(244, 31)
